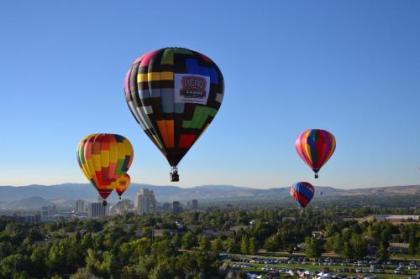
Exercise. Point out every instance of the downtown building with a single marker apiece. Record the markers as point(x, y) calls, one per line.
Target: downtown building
point(176, 207)
point(145, 202)
point(80, 206)
point(192, 205)
point(48, 212)
point(97, 210)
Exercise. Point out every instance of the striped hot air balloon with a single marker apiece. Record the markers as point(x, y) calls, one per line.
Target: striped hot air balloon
point(103, 158)
point(302, 192)
point(315, 147)
point(174, 94)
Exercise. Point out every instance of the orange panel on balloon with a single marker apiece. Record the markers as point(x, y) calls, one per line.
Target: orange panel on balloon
point(185, 141)
point(166, 129)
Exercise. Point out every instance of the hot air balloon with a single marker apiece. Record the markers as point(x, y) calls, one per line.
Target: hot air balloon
point(302, 192)
point(122, 183)
point(174, 94)
point(103, 158)
point(315, 147)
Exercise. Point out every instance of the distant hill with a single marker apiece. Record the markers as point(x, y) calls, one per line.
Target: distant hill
point(386, 191)
point(27, 204)
point(35, 196)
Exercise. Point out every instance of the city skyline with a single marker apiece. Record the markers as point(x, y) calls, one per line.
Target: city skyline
point(351, 68)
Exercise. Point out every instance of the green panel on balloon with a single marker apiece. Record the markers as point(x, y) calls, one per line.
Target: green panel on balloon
point(119, 166)
point(168, 55)
point(201, 114)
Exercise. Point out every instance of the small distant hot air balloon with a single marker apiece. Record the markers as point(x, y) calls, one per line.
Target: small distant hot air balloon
point(103, 158)
point(122, 183)
point(174, 94)
point(315, 147)
point(302, 192)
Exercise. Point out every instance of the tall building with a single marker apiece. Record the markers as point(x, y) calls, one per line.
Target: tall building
point(80, 206)
point(176, 207)
point(166, 207)
point(97, 210)
point(145, 202)
point(194, 204)
point(48, 212)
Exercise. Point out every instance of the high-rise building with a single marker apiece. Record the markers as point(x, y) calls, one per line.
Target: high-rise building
point(80, 206)
point(176, 207)
point(48, 212)
point(97, 209)
point(194, 204)
point(166, 207)
point(145, 202)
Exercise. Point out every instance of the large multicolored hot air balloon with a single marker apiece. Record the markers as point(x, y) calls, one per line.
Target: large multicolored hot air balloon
point(122, 183)
point(315, 147)
point(103, 158)
point(174, 94)
point(302, 192)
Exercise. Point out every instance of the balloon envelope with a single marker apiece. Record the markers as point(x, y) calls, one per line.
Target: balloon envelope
point(302, 192)
point(174, 94)
point(315, 147)
point(122, 183)
point(103, 158)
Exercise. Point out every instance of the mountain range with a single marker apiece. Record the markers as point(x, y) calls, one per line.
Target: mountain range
point(35, 196)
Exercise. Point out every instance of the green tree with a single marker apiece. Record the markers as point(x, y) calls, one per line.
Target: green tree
point(162, 270)
point(231, 246)
point(188, 263)
point(313, 247)
point(143, 246)
point(6, 249)
point(11, 265)
point(38, 261)
point(244, 244)
point(83, 273)
point(383, 253)
point(189, 240)
point(359, 246)
point(348, 251)
point(413, 240)
point(217, 245)
point(272, 243)
point(176, 240)
point(65, 256)
point(207, 263)
point(92, 263)
point(145, 266)
point(204, 243)
point(163, 249)
point(252, 246)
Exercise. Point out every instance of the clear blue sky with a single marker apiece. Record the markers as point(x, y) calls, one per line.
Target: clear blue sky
point(351, 67)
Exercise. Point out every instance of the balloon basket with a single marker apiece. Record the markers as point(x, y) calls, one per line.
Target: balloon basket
point(174, 175)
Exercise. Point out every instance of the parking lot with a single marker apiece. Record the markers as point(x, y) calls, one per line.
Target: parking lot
point(272, 267)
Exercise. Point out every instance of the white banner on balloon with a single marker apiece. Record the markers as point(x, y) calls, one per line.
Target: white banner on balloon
point(191, 88)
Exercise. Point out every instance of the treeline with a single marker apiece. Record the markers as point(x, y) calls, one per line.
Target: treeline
point(97, 249)
point(187, 245)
